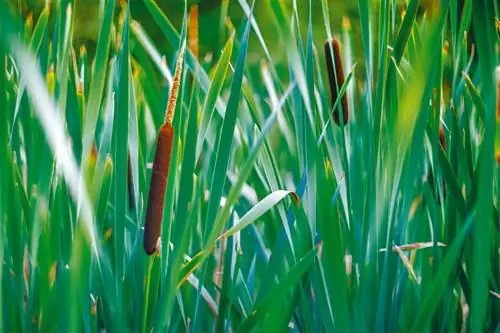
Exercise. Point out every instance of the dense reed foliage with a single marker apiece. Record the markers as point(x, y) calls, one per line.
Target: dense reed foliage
point(275, 212)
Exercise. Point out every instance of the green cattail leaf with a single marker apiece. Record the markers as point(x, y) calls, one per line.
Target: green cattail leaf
point(258, 210)
point(213, 93)
point(99, 71)
point(266, 305)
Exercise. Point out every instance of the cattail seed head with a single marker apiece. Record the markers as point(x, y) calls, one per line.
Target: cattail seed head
point(158, 185)
point(161, 165)
point(193, 30)
point(336, 79)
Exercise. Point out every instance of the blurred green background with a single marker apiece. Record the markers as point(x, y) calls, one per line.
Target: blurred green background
point(212, 33)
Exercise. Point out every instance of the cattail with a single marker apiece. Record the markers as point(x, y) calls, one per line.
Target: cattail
point(193, 30)
point(159, 176)
point(336, 79)
point(193, 36)
point(161, 164)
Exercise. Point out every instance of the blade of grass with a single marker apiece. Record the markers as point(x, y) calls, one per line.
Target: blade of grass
point(405, 30)
point(99, 71)
point(486, 40)
point(258, 210)
point(4, 160)
point(119, 150)
point(448, 265)
point(174, 38)
point(213, 93)
point(262, 308)
point(52, 125)
point(224, 144)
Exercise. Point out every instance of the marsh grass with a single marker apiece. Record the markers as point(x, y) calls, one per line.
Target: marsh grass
point(273, 219)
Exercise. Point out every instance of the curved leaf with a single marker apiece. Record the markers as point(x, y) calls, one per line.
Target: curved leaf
point(258, 210)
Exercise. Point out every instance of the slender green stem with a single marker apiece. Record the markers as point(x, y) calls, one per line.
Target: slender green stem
point(146, 295)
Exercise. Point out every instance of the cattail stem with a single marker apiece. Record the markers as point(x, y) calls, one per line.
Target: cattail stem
point(146, 296)
point(161, 165)
point(336, 79)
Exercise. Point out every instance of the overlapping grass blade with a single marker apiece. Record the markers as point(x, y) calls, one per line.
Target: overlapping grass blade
point(119, 151)
point(213, 93)
point(261, 310)
point(259, 209)
point(99, 71)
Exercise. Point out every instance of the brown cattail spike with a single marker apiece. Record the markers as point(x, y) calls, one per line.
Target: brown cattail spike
point(193, 30)
point(193, 36)
point(336, 79)
point(158, 185)
point(161, 165)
